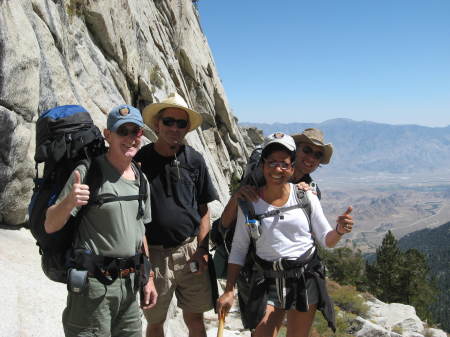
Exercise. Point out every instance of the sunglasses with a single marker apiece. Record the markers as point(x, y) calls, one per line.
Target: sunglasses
point(123, 131)
point(180, 123)
point(308, 150)
point(281, 164)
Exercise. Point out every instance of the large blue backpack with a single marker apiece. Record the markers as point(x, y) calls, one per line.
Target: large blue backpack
point(65, 137)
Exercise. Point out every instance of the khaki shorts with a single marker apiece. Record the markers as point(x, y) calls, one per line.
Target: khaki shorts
point(172, 275)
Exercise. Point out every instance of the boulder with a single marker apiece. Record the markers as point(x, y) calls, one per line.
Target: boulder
point(395, 316)
point(365, 328)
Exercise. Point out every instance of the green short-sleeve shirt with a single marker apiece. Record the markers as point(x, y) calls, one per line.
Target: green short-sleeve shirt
point(112, 229)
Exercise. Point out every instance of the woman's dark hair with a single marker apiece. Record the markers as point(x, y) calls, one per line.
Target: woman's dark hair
point(277, 147)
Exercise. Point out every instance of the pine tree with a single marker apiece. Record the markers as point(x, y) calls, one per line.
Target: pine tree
point(416, 287)
point(384, 275)
point(401, 277)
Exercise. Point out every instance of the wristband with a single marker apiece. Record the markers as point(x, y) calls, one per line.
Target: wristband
point(336, 229)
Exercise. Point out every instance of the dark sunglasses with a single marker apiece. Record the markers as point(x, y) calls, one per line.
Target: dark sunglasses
point(308, 150)
point(283, 165)
point(169, 121)
point(123, 131)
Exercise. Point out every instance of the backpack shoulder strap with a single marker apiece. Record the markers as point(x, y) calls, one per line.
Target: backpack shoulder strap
point(304, 203)
point(143, 193)
point(91, 179)
point(247, 208)
point(94, 179)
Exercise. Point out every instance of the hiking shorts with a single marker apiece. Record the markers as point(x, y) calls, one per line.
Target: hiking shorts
point(274, 298)
point(173, 275)
point(104, 310)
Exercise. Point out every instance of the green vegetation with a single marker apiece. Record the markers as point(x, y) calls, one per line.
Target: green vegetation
point(434, 244)
point(348, 299)
point(401, 277)
point(345, 266)
point(397, 329)
point(408, 275)
point(343, 323)
point(156, 76)
point(234, 184)
point(76, 7)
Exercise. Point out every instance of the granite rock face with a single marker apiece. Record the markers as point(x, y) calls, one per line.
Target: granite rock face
point(100, 54)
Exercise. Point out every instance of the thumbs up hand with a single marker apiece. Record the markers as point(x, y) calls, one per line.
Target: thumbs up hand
point(80, 192)
point(345, 222)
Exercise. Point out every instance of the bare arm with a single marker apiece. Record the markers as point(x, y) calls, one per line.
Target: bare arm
point(57, 215)
point(149, 294)
point(344, 225)
point(229, 214)
point(201, 254)
point(225, 301)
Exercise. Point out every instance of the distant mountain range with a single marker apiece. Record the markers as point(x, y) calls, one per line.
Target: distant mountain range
point(368, 147)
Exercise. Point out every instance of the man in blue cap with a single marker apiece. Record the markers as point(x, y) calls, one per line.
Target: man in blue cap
point(110, 247)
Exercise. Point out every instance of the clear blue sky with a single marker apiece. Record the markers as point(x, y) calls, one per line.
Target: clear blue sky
point(385, 61)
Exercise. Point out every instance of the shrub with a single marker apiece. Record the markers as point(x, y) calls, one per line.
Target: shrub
point(397, 329)
point(343, 322)
point(348, 299)
point(76, 7)
point(156, 77)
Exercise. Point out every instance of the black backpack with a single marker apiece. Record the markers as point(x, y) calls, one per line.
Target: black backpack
point(65, 138)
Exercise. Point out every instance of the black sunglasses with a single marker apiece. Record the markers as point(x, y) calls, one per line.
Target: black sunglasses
point(123, 131)
point(169, 121)
point(308, 150)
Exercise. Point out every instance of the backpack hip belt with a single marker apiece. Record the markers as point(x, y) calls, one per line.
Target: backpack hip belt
point(284, 268)
point(107, 269)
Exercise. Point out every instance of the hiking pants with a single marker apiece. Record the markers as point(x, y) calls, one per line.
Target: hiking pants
point(104, 311)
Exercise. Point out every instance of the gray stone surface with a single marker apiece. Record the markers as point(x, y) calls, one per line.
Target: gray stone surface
point(32, 304)
point(395, 316)
point(100, 54)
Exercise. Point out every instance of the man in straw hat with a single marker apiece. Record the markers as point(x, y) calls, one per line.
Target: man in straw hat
point(178, 233)
point(311, 152)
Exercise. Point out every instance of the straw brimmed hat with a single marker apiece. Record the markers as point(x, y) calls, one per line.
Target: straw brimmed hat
point(174, 100)
point(315, 137)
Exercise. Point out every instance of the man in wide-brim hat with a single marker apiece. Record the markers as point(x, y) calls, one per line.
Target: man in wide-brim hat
point(311, 152)
point(177, 235)
point(152, 112)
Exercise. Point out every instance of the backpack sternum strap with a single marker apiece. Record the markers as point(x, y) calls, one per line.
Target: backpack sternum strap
point(277, 211)
point(107, 197)
point(94, 182)
point(302, 202)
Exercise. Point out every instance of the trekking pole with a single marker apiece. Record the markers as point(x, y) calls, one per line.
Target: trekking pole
point(221, 324)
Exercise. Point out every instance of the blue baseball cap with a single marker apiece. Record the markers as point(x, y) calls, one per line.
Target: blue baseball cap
point(123, 114)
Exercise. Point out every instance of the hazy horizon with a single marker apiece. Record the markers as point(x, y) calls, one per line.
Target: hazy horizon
point(384, 61)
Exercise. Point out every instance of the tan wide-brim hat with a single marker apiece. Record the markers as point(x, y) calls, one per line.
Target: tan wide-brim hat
point(174, 100)
point(315, 137)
